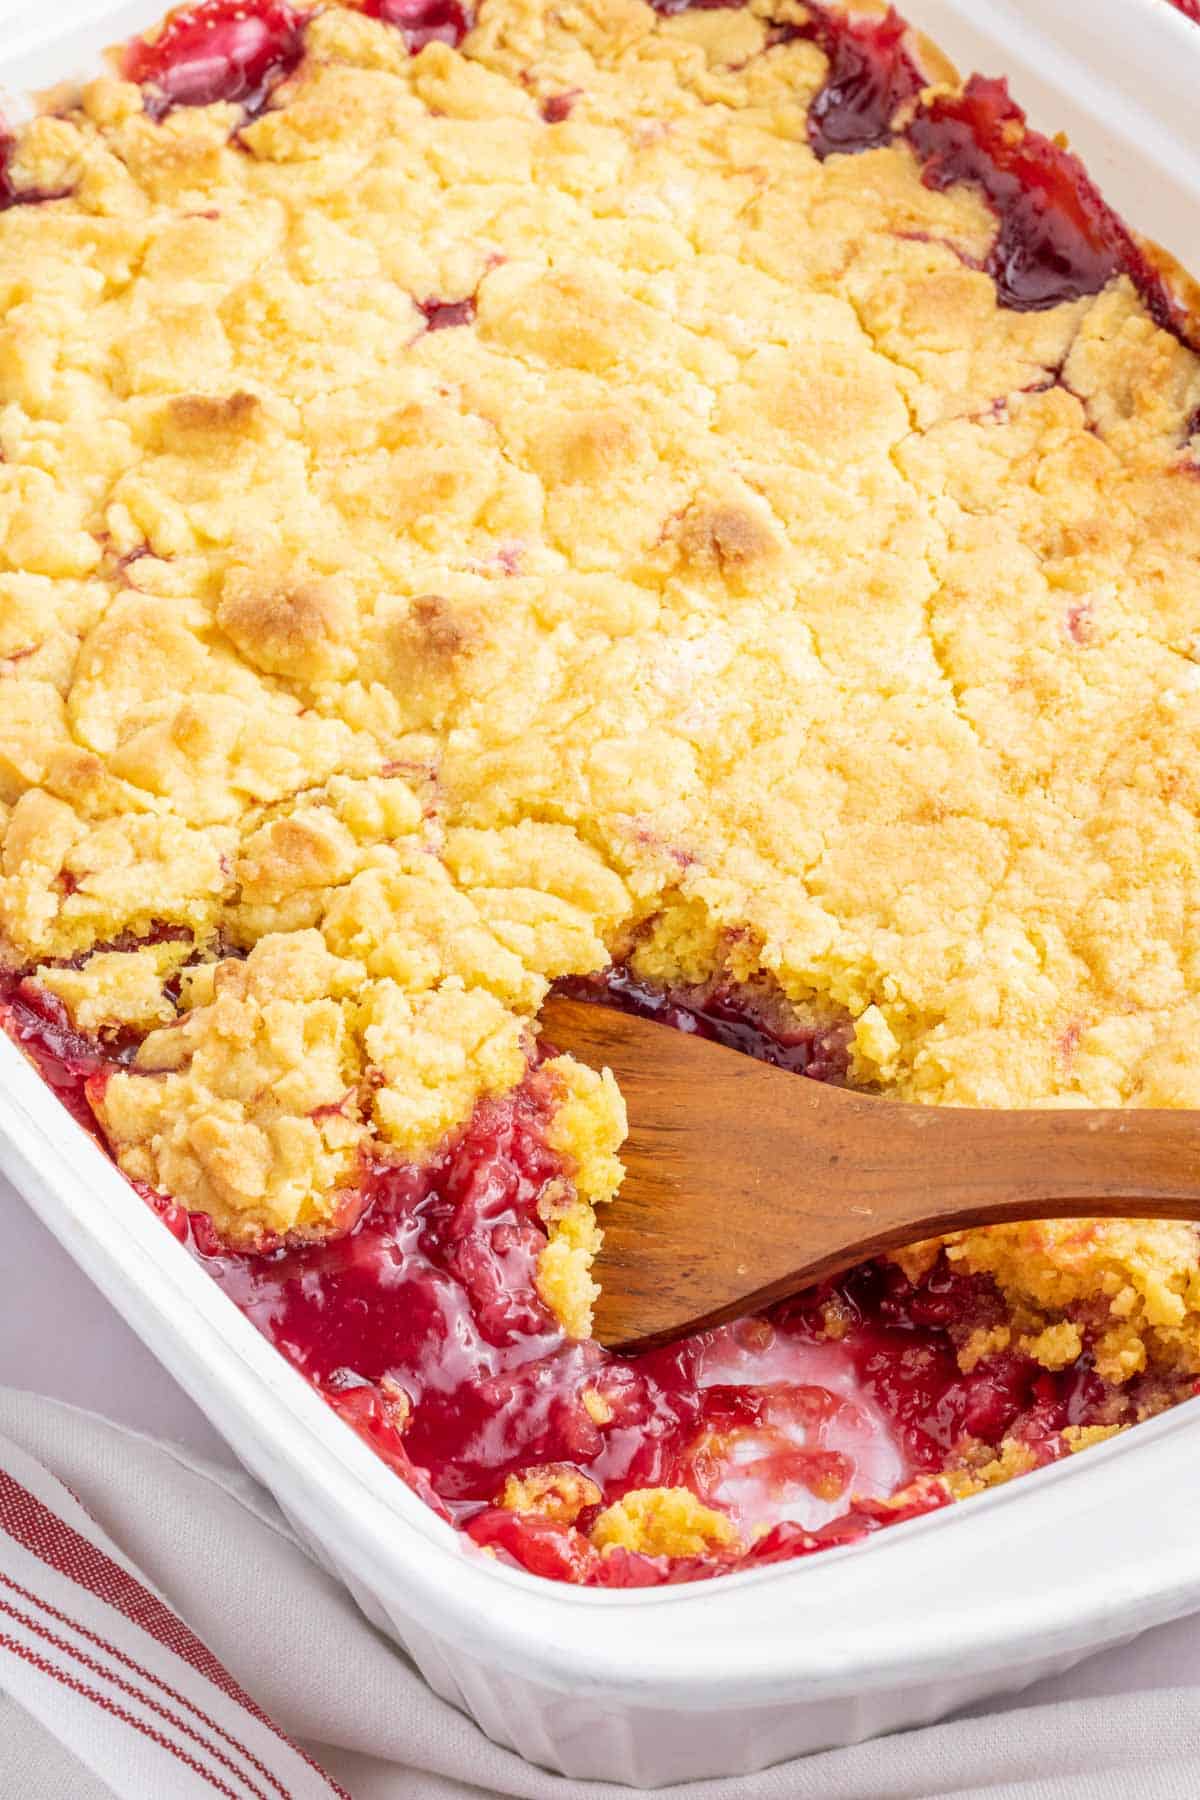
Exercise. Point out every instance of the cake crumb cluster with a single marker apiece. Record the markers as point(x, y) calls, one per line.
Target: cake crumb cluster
point(513, 507)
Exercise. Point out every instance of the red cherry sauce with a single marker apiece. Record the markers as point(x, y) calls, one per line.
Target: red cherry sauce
point(871, 75)
point(67, 1060)
point(422, 1326)
point(443, 315)
point(424, 22)
point(724, 1014)
point(1191, 444)
point(230, 50)
point(37, 1021)
point(1056, 238)
point(670, 8)
point(10, 194)
point(558, 107)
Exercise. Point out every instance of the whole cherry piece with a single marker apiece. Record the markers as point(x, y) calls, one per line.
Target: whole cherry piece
point(870, 77)
point(221, 50)
point(423, 21)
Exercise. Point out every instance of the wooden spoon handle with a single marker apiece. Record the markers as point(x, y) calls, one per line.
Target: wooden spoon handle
point(947, 1168)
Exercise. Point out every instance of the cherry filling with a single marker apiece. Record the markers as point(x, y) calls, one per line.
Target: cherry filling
point(231, 50)
point(8, 193)
point(870, 77)
point(1056, 237)
point(559, 106)
point(423, 1327)
point(423, 21)
point(240, 50)
point(443, 315)
point(870, 74)
point(38, 1021)
point(724, 1014)
point(670, 8)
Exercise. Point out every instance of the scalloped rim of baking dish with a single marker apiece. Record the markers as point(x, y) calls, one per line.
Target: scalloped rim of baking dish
point(1064, 1560)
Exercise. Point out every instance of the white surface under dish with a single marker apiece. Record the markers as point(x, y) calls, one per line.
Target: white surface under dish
point(726, 1676)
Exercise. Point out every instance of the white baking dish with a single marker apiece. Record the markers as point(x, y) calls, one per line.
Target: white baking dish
point(727, 1676)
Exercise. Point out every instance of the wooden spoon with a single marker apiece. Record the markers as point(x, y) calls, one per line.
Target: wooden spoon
point(745, 1183)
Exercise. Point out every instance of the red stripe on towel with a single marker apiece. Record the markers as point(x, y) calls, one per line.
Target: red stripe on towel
point(40, 1531)
point(118, 1712)
point(135, 1693)
point(138, 1668)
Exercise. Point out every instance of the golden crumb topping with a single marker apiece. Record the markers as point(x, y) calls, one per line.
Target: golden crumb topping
point(555, 1490)
point(506, 507)
point(664, 1521)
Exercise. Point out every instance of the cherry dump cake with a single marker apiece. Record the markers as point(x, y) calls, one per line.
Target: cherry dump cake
point(689, 503)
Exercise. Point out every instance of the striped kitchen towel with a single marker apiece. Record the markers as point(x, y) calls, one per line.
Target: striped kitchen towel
point(91, 1650)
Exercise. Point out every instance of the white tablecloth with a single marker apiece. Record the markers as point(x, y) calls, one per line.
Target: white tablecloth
point(58, 1336)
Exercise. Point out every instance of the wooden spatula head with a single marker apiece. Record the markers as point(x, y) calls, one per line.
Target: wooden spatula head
point(745, 1183)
